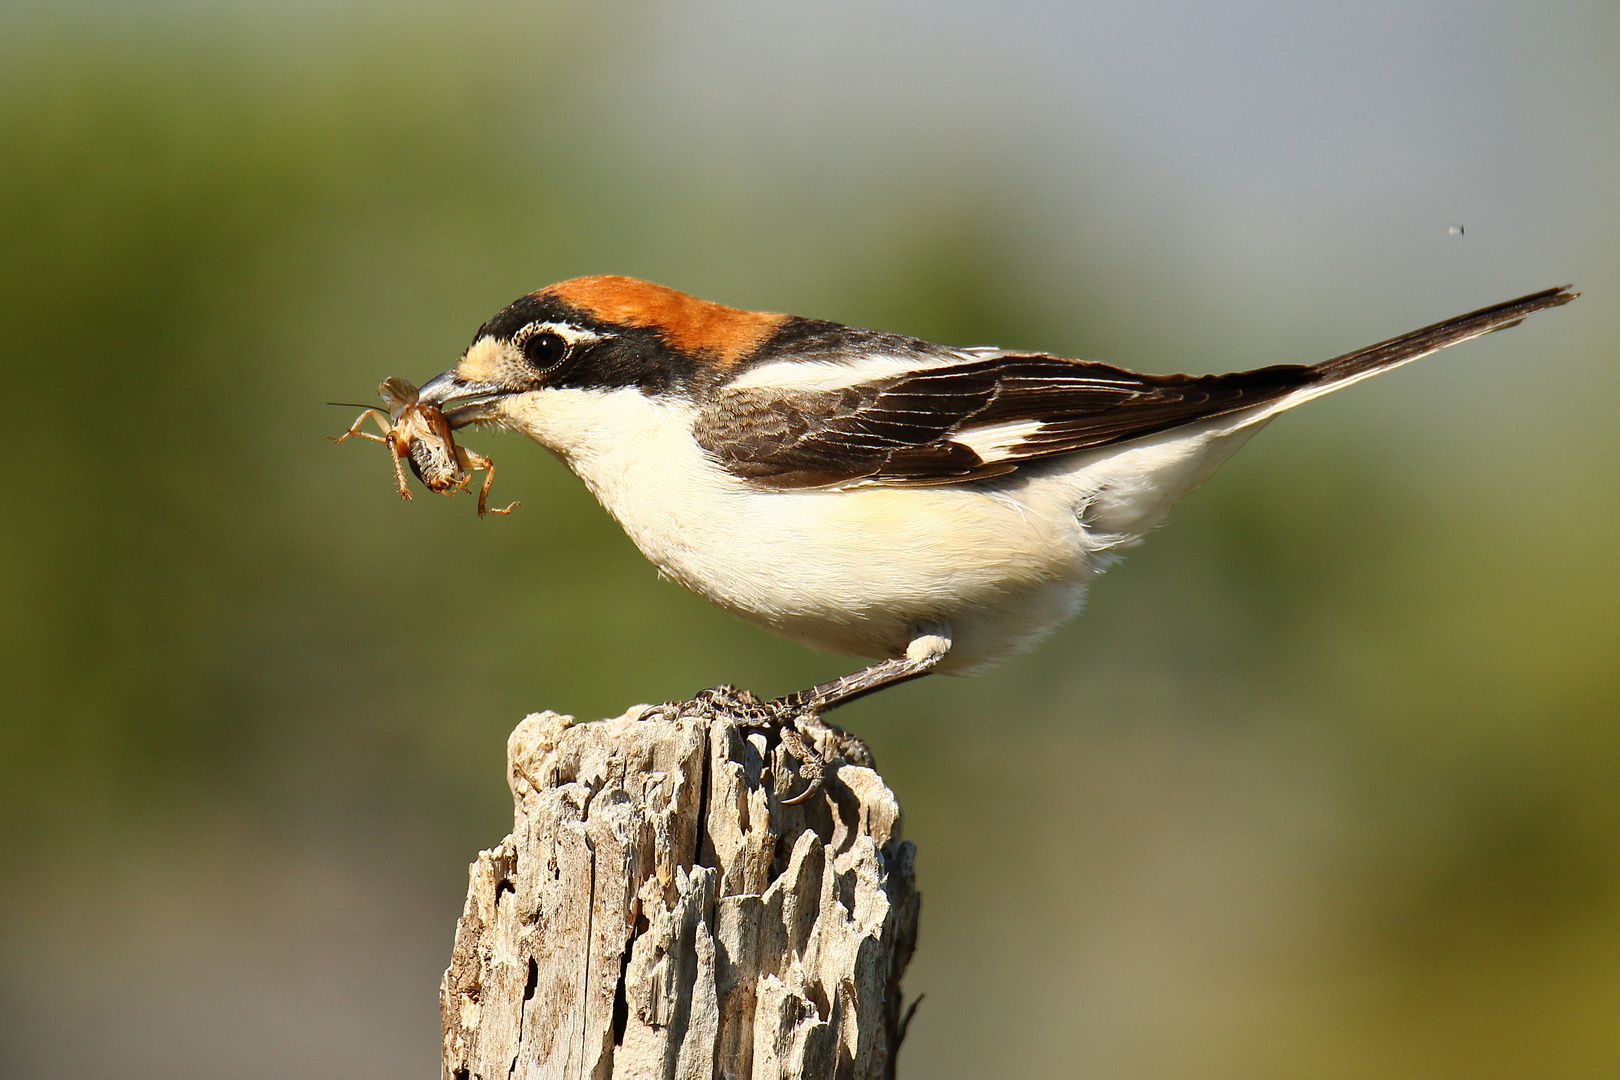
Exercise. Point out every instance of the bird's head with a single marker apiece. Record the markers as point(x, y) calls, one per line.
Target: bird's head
point(595, 334)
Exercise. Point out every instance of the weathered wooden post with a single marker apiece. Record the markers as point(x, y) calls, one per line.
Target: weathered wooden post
point(659, 911)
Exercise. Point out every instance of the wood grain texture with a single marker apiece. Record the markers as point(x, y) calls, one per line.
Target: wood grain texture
point(657, 912)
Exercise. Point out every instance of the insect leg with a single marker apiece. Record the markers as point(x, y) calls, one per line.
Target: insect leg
point(470, 460)
point(354, 428)
point(399, 447)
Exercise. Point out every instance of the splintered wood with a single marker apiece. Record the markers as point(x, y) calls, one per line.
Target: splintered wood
point(658, 912)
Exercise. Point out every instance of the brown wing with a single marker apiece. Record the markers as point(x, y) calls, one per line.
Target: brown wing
point(919, 429)
point(922, 429)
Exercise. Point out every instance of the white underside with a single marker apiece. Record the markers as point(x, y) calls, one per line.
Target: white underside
point(857, 570)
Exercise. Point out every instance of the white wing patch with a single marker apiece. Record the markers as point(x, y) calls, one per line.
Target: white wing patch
point(995, 442)
point(813, 375)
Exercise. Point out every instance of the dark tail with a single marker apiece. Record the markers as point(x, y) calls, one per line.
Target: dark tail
point(1430, 339)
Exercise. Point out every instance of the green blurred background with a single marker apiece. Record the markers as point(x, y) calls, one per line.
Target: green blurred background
point(1325, 783)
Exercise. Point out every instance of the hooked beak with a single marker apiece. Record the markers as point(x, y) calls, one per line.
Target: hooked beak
point(478, 401)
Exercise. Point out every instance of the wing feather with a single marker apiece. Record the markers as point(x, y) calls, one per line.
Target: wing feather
point(920, 428)
point(828, 424)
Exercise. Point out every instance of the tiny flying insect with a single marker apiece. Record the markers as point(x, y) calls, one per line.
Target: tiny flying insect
point(421, 435)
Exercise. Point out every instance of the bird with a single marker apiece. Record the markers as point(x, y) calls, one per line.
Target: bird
point(932, 508)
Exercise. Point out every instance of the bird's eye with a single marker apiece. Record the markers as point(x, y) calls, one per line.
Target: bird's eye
point(544, 350)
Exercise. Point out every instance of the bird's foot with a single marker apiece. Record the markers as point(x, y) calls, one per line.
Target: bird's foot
point(819, 746)
point(743, 705)
point(812, 765)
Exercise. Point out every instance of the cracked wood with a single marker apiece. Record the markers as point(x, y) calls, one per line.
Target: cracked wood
point(658, 912)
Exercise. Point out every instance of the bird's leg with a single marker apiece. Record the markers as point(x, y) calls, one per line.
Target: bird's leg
point(928, 647)
point(795, 717)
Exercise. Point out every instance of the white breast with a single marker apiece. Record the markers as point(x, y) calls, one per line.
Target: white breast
point(854, 570)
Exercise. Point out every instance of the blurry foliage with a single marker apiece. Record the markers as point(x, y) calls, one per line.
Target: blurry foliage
point(211, 619)
point(168, 215)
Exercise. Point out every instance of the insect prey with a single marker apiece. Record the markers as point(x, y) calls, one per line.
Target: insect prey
point(420, 434)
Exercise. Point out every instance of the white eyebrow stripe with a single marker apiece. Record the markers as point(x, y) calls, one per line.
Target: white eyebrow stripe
point(834, 375)
point(574, 335)
point(995, 442)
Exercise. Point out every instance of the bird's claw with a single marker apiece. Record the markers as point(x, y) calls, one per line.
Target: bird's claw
point(785, 720)
point(812, 766)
